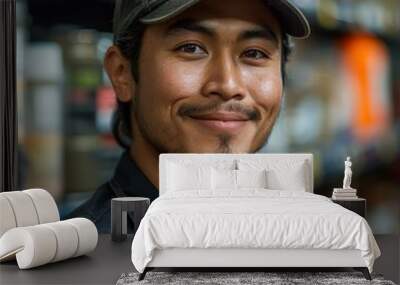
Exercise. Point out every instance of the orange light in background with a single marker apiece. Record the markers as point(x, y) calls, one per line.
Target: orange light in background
point(105, 99)
point(105, 105)
point(366, 62)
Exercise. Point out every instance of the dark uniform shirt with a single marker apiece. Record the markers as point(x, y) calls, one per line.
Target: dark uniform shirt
point(128, 180)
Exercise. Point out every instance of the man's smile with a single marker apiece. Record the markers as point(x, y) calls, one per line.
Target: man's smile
point(230, 122)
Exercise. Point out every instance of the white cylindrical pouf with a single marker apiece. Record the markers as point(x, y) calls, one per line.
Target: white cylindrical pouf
point(23, 207)
point(45, 205)
point(34, 245)
point(40, 244)
point(7, 217)
point(87, 234)
point(67, 239)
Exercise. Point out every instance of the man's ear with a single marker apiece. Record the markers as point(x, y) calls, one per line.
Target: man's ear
point(118, 69)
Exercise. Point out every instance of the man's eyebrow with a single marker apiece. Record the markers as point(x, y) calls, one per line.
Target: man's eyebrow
point(189, 25)
point(264, 32)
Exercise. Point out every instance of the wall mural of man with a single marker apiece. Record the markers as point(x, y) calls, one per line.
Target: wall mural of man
point(192, 76)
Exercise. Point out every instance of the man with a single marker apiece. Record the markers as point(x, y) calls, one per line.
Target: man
point(199, 76)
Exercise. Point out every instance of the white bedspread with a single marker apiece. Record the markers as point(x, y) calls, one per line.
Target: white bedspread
point(250, 218)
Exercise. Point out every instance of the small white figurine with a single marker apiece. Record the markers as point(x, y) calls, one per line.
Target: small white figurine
point(347, 174)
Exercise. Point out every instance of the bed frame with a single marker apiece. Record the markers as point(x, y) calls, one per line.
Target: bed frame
point(260, 259)
point(248, 259)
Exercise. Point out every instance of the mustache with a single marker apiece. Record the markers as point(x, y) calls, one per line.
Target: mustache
point(195, 109)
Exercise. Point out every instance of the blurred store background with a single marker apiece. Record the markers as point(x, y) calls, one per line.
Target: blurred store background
point(342, 99)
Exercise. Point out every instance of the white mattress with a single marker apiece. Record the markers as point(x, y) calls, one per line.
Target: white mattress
point(253, 218)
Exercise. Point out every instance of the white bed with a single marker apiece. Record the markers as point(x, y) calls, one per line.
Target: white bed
point(219, 225)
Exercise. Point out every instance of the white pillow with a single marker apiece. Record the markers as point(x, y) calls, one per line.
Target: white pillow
point(282, 174)
point(251, 178)
point(181, 178)
point(223, 179)
point(290, 179)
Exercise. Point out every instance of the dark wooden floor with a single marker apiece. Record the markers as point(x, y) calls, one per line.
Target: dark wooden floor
point(389, 262)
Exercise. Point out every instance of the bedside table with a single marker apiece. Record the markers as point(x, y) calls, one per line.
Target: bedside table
point(120, 207)
point(357, 205)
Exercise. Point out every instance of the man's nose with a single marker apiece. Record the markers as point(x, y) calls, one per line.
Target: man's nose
point(223, 78)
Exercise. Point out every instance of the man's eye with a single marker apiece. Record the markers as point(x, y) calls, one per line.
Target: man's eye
point(255, 54)
point(191, 48)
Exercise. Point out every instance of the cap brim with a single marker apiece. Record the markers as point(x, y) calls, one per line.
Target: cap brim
point(167, 10)
point(292, 19)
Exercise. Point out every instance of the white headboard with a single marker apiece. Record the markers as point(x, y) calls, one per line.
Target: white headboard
point(213, 157)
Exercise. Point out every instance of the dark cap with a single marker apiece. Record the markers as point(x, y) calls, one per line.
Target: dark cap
point(293, 21)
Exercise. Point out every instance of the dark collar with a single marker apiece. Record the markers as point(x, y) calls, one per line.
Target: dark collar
point(129, 180)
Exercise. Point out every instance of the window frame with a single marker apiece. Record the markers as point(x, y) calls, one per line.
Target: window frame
point(8, 98)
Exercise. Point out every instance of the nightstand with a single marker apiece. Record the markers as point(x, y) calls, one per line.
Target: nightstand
point(120, 207)
point(357, 205)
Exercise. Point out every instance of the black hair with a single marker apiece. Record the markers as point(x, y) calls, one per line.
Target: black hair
point(129, 44)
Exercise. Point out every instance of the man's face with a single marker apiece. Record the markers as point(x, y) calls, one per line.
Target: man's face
point(210, 79)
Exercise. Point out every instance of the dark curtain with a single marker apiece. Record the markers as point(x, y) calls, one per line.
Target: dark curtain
point(8, 98)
